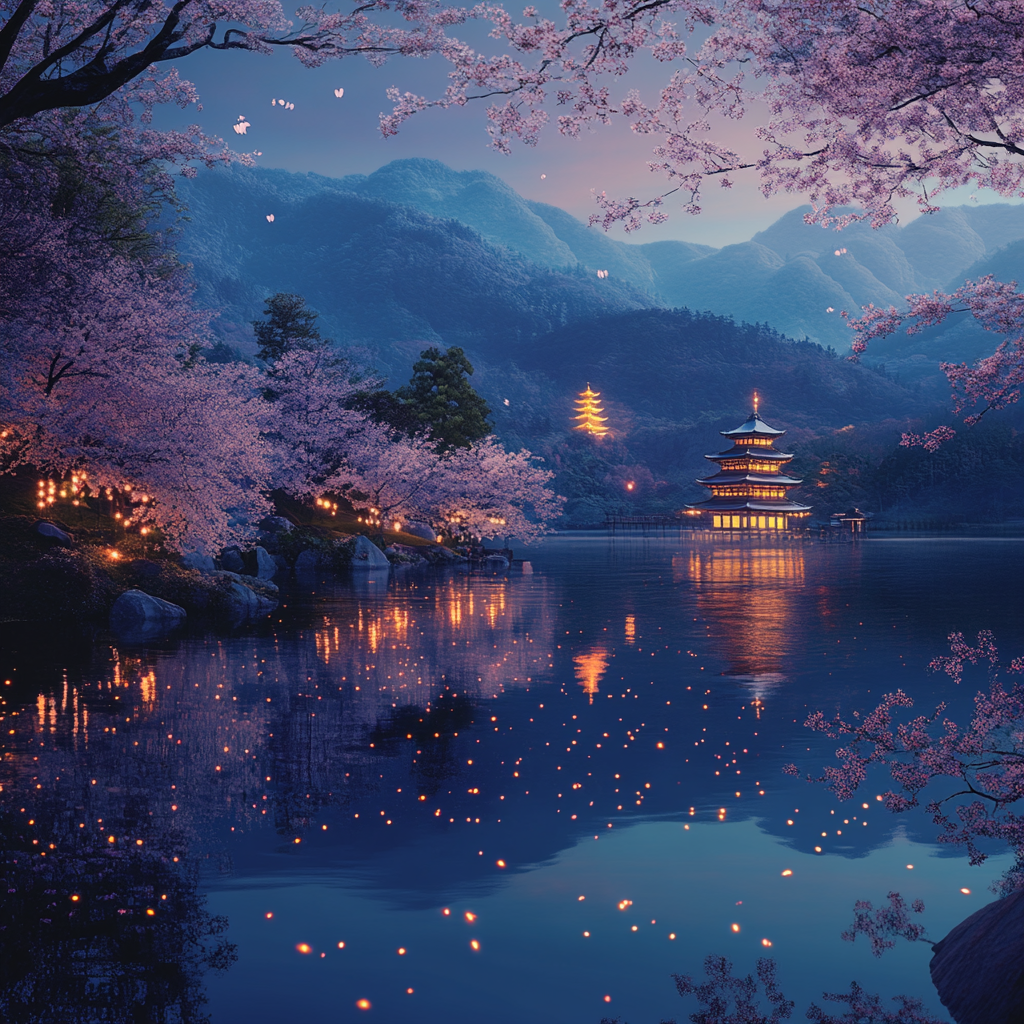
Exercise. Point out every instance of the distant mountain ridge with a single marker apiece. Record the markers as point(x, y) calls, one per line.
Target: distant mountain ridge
point(787, 276)
point(418, 254)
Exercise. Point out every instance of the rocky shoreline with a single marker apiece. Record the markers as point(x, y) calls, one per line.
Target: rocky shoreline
point(50, 575)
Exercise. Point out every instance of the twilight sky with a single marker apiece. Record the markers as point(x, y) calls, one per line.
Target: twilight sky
point(337, 137)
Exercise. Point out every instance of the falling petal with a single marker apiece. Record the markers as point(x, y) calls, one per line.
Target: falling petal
point(339, 93)
point(830, 309)
point(506, 401)
point(270, 217)
point(273, 103)
point(542, 177)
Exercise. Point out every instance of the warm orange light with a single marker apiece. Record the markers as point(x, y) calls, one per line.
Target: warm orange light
point(363, 1004)
point(470, 916)
point(735, 927)
point(672, 935)
point(111, 839)
point(966, 892)
point(474, 945)
point(268, 915)
point(341, 945)
point(588, 414)
point(401, 950)
point(501, 864)
point(787, 873)
point(304, 948)
point(630, 485)
point(76, 898)
point(607, 999)
point(408, 991)
point(766, 942)
point(446, 911)
point(150, 912)
point(661, 746)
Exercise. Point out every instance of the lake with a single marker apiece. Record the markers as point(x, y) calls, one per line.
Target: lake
point(453, 798)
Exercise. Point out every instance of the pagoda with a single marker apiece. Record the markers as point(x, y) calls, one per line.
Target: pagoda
point(588, 413)
point(749, 491)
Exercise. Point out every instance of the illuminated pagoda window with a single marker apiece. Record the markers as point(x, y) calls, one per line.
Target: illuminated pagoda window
point(588, 413)
point(749, 490)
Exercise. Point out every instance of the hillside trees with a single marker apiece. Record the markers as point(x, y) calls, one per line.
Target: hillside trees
point(438, 402)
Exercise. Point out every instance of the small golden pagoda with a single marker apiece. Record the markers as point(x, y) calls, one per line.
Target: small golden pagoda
point(749, 491)
point(588, 413)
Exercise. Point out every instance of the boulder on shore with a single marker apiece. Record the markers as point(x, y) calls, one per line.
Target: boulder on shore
point(136, 615)
point(307, 560)
point(231, 559)
point(421, 530)
point(366, 555)
point(54, 533)
point(978, 968)
point(266, 567)
point(194, 560)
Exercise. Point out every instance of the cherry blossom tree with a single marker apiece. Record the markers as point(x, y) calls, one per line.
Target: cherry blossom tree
point(974, 774)
point(311, 425)
point(993, 382)
point(856, 103)
point(111, 392)
point(483, 491)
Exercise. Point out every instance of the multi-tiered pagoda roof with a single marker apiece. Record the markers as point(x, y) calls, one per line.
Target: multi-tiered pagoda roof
point(750, 489)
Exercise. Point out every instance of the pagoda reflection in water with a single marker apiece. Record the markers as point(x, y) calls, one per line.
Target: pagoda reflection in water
point(749, 596)
point(749, 491)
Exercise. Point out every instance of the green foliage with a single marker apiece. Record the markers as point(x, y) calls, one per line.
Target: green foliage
point(289, 324)
point(438, 401)
point(442, 402)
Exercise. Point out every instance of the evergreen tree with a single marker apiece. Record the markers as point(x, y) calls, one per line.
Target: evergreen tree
point(289, 324)
point(440, 401)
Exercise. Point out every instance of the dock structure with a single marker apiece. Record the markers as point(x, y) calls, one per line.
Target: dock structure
point(654, 524)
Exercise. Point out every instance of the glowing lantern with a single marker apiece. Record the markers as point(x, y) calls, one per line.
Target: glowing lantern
point(588, 413)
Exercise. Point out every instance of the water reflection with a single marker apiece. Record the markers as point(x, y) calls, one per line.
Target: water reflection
point(428, 739)
point(753, 595)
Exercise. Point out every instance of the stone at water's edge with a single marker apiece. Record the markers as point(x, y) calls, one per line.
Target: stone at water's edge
point(266, 567)
point(54, 533)
point(136, 615)
point(308, 559)
point(245, 605)
point(367, 555)
point(978, 968)
point(421, 530)
point(231, 559)
point(194, 560)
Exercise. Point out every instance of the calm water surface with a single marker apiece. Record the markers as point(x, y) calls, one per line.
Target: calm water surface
point(470, 798)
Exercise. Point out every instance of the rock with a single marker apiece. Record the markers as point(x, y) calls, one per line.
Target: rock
point(266, 567)
point(276, 524)
point(420, 530)
point(231, 559)
point(978, 968)
point(496, 562)
point(54, 533)
point(245, 605)
point(137, 615)
point(247, 581)
point(194, 560)
point(144, 568)
point(367, 555)
point(307, 560)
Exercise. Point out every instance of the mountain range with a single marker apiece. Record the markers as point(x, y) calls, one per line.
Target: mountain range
point(676, 335)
